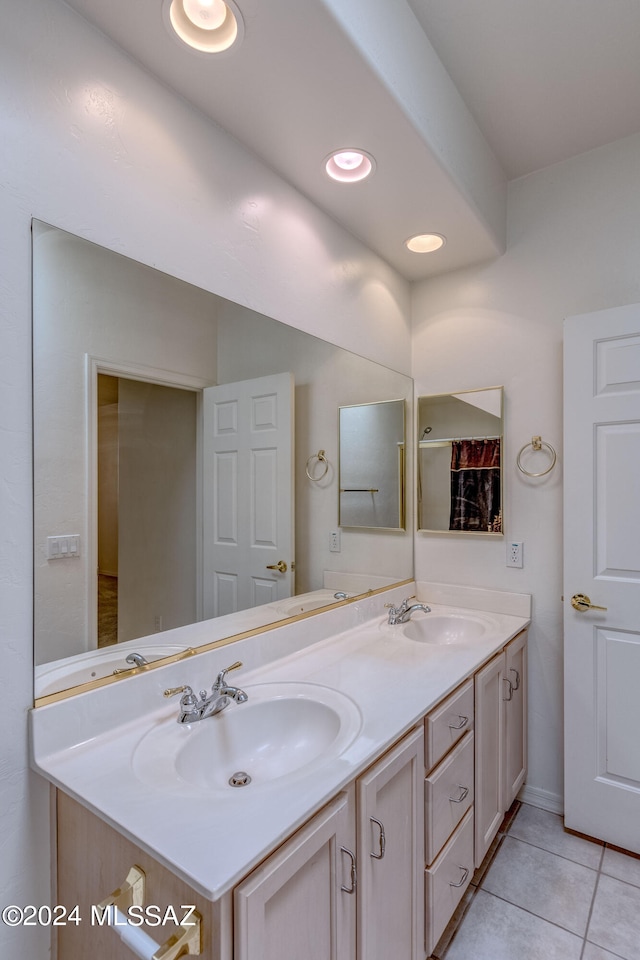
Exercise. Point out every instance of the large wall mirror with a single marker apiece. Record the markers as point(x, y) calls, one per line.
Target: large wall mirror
point(459, 486)
point(175, 437)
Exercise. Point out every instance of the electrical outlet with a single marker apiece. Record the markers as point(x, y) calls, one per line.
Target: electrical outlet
point(334, 541)
point(157, 623)
point(515, 550)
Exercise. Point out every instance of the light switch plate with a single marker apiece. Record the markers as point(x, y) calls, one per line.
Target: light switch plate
point(63, 548)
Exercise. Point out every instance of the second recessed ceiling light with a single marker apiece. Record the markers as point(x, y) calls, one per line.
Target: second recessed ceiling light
point(349, 166)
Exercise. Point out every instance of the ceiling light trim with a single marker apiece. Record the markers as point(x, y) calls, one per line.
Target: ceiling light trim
point(220, 40)
point(349, 165)
point(425, 242)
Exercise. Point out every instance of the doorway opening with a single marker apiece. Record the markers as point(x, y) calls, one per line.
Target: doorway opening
point(146, 508)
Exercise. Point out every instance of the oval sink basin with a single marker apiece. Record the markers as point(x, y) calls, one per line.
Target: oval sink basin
point(304, 603)
point(95, 666)
point(283, 730)
point(445, 629)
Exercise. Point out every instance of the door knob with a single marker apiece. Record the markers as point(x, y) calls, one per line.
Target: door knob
point(280, 566)
point(581, 602)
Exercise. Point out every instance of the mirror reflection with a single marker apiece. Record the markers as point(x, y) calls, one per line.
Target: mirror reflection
point(460, 462)
point(372, 473)
point(172, 432)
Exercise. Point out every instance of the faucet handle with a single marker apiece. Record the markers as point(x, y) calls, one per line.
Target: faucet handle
point(402, 605)
point(187, 700)
point(223, 673)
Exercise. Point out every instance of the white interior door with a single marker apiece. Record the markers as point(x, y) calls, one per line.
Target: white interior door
point(602, 560)
point(248, 497)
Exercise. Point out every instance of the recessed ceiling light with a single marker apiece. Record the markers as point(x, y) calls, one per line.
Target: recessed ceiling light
point(209, 26)
point(349, 165)
point(425, 243)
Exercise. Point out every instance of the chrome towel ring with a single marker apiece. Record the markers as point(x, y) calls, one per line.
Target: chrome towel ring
point(318, 457)
point(538, 444)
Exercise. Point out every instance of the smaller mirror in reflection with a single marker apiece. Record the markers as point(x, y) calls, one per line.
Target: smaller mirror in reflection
point(372, 465)
point(460, 462)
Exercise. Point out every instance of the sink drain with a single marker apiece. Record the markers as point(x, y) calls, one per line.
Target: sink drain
point(239, 779)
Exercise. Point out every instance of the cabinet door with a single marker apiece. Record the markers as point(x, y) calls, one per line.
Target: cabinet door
point(489, 683)
point(390, 854)
point(515, 727)
point(300, 903)
point(93, 860)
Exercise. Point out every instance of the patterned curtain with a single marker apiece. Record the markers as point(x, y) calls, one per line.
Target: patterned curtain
point(475, 486)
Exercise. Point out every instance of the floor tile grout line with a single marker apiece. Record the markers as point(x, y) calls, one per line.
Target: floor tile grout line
point(537, 846)
point(591, 905)
point(553, 923)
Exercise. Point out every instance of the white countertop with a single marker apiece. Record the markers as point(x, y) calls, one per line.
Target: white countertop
point(214, 843)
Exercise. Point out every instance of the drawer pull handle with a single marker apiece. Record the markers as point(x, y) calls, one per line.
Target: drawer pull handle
point(465, 874)
point(382, 840)
point(464, 792)
point(354, 878)
point(510, 685)
point(516, 686)
point(458, 726)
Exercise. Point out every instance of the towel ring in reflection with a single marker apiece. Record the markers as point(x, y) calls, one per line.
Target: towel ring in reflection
point(537, 443)
point(320, 458)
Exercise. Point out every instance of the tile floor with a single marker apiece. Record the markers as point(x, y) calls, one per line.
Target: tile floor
point(545, 894)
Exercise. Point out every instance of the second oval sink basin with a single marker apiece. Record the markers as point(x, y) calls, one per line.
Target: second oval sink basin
point(283, 730)
point(449, 628)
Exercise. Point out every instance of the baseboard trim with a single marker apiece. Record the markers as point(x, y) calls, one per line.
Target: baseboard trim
point(542, 798)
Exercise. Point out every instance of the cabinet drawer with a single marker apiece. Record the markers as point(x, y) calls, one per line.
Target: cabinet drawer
point(448, 795)
point(447, 880)
point(448, 723)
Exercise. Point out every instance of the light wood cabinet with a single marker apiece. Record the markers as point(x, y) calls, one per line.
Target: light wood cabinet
point(93, 860)
point(447, 879)
point(377, 873)
point(449, 796)
point(306, 899)
point(515, 725)
point(489, 754)
point(501, 742)
point(301, 902)
point(449, 793)
point(390, 861)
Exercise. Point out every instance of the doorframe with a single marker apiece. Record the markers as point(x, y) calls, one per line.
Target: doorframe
point(128, 371)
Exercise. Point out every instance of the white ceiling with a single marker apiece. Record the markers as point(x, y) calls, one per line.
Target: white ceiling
point(545, 79)
point(526, 83)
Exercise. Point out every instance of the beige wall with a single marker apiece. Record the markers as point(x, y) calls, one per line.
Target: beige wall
point(573, 247)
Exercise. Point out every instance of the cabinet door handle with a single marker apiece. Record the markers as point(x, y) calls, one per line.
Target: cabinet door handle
point(382, 840)
point(507, 681)
point(516, 686)
point(464, 792)
point(354, 877)
point(465, 874)
point(458, 726)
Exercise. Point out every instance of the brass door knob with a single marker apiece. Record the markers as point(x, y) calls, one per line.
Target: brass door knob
point(581, 602)
point(280, 566)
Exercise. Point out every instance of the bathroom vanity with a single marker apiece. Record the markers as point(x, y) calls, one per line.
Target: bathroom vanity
point(413, 747)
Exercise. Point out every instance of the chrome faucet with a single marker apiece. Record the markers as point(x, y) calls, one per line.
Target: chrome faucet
point(136, 659)
point(193, 709)
point(402, 613)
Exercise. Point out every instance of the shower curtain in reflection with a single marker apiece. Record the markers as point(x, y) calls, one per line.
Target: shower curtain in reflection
point(475, 486)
